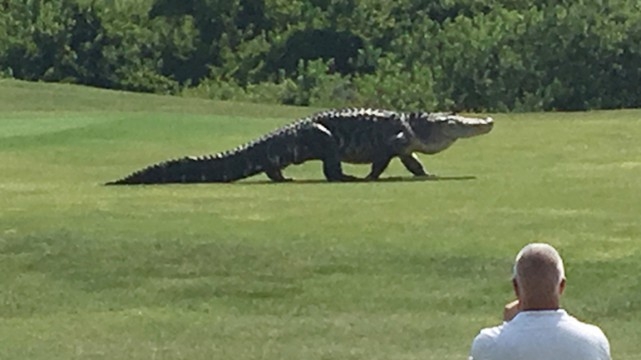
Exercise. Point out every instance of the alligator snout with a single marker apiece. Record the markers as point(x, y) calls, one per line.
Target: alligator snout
point(489, 124)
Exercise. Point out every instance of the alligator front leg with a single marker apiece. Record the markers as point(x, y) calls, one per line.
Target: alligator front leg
point(412, 164)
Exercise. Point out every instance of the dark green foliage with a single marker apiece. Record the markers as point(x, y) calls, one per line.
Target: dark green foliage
point(446, 54)
point(87, 44)
point(340, 47)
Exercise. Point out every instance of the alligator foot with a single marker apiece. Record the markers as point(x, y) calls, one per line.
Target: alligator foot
point(350, 178)
point(345, 178)
point(413, 178)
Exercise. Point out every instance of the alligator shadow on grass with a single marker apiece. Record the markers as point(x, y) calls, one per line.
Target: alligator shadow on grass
point(391, 179)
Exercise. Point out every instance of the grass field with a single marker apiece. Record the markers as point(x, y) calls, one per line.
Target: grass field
point(307, 270)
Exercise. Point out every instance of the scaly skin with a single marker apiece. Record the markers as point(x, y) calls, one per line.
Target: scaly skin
point(358, 136)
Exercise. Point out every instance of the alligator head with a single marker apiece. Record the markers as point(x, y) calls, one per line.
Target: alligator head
point(435, 132)
point(456, 126)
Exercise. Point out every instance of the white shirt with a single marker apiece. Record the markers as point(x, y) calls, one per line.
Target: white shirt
point(541, 335)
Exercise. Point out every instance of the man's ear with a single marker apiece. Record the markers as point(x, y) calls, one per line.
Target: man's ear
point(515, 285)
point(562, 286)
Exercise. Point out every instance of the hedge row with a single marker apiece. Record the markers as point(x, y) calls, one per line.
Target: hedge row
point(482, 55)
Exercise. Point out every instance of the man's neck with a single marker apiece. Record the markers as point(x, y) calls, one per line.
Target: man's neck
point(539, 306)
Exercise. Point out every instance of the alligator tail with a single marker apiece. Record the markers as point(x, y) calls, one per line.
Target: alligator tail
point(228, 166)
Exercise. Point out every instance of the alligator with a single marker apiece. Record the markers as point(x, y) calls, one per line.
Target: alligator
point(353, 135)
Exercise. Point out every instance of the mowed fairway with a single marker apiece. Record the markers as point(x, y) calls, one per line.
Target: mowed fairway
point(305, 270)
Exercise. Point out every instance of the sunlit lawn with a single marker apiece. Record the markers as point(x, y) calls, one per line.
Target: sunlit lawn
point(303, 270)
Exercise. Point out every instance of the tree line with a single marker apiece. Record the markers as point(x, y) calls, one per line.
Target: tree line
point(472, 55)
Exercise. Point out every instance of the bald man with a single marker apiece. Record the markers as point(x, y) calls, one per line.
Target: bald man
point(535, 327)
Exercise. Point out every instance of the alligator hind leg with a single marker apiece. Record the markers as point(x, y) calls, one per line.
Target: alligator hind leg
point(276, 175)
point(332, 168)
point(377, 168)
point(412, 164)
point(334, 172)
point(326, 149)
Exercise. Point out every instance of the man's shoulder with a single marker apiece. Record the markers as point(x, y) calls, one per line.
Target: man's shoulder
point(585, 329)
point(490, 332)
point(520, 331)
point(589, 335)
point(486, 339)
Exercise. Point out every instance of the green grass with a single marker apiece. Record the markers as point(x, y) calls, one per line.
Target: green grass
point(307, 270)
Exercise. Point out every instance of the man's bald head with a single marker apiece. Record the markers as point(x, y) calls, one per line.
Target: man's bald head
point(538, 272)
